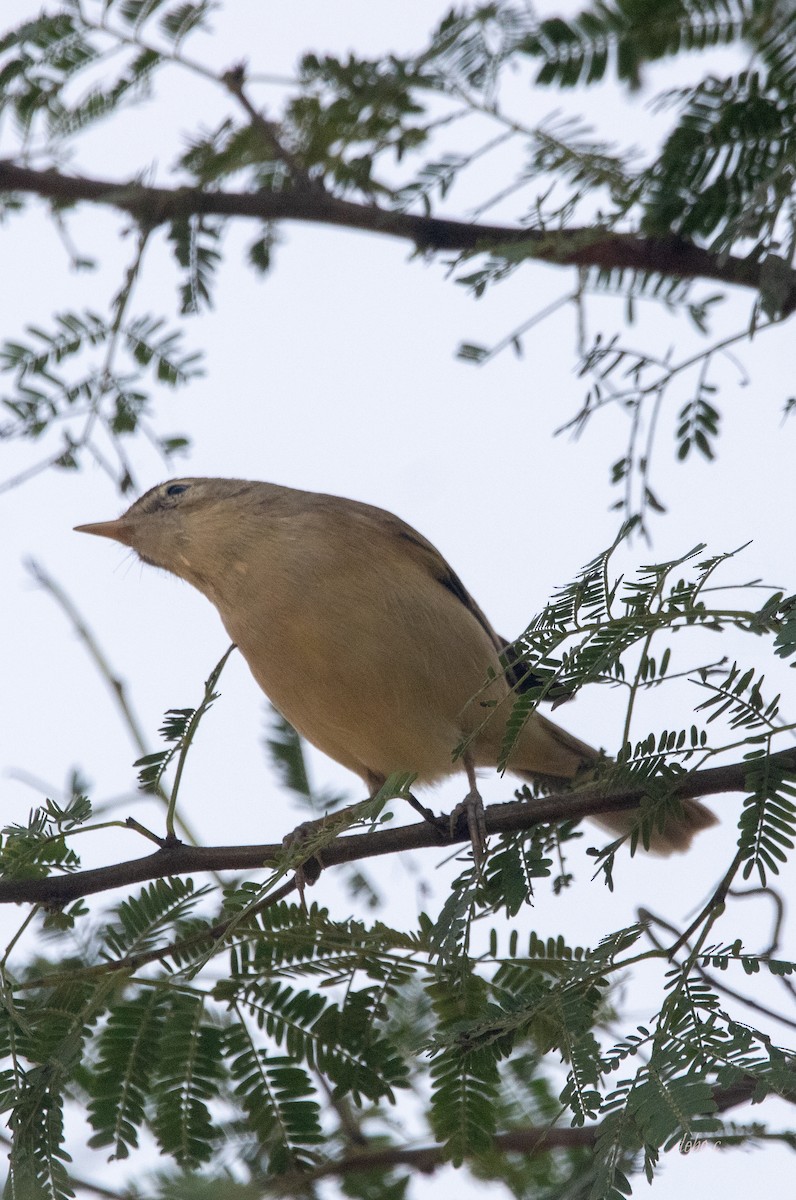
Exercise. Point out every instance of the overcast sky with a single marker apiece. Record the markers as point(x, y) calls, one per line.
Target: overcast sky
point(337, 372)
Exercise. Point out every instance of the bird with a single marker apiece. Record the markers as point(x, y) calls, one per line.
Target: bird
point(362, 636)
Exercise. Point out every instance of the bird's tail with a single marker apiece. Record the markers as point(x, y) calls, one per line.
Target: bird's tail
point(677, 833)
point(571, 759)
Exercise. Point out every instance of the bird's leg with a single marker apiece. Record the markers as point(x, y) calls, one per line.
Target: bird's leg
point(473, 807)
point(439, 822)
point(307, 872)
point(375, 782)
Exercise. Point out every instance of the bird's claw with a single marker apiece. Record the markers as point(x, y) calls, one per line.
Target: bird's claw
point(472, 807)
point(307, 872)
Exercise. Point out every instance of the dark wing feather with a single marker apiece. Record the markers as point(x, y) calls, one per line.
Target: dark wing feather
point(519, 676)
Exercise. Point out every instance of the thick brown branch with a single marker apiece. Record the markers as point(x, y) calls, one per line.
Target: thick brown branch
point(528, 1141)
point(582, 247)
point(517, 815)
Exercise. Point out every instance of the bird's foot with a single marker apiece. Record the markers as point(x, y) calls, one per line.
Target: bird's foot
point(472, 807)
point(307, 872)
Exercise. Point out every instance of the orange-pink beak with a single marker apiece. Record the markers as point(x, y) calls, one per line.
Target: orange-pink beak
point(119, 530)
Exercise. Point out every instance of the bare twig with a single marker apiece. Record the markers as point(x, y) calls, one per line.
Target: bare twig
point(95, 651)
point(270, 133)
point(102, 663)
point(649, 918)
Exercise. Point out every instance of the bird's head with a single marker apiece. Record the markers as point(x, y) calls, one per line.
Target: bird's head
point(181, 525)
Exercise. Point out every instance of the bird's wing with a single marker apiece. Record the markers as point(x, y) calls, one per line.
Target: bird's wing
point(436, 566)
point(519, 676)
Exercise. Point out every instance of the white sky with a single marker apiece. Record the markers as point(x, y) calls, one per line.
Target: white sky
point(337, 373)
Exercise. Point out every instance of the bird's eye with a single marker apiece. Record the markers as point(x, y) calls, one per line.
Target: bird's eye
point(176, 488)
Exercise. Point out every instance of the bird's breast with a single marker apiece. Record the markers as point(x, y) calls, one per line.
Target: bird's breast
point(377, 677)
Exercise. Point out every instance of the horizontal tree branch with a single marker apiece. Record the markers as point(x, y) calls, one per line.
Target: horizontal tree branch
point(581, 247)
point(529, 1140)
point(517, 815)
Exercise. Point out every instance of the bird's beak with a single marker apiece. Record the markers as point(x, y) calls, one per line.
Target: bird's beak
point(119, 530)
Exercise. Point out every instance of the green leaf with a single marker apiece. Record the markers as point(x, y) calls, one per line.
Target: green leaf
point(189, 1078)
point(278, 1098)
point(127, 1061)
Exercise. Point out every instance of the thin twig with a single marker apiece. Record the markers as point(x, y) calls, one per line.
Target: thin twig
point(21, 477)
point(647, 917)
point(526, 1141)
point(142, 958)
point(95, 651)
point(188, 736)
point(234, 80)
point(711, 911)
point(105, 670)
point(525, 327)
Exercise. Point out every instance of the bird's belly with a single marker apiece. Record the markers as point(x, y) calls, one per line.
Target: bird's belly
point(375, 702)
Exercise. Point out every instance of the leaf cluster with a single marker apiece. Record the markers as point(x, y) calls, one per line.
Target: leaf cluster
point(34, 850)
point(240, 1024)
point(68, 384)
point(374, 130)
